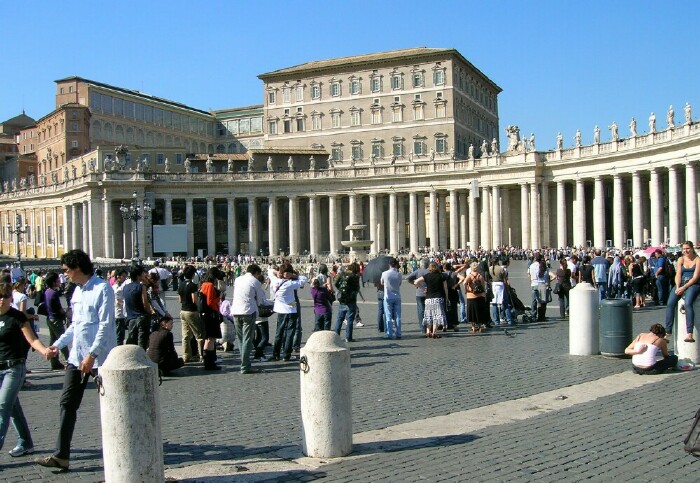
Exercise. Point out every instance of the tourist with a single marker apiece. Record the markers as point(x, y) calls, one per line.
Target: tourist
point(192, 333)
point(208, 302)
point(498, 286)
point(391, 282)
point(119, 314)
point(477, 307)
point(563, 286)
point(138, 308)
point(600, 273)
point(248, 294)
point(323, 309)
point(539, 282)
point(645, 348)
point(616, 278)
point(348, 285)
point(635, 271)
point(284, 283)
point(687, 286)
point(661, 270)
point(420, 288)
point(435, 298)
point(161, 348)
point(56, 318)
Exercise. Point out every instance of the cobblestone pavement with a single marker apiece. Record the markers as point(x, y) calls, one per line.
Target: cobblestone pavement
point(209, 418)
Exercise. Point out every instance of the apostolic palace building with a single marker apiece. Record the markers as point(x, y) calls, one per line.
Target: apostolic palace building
point(405, 142)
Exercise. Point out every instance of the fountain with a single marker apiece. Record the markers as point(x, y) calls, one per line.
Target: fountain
point(357, 244)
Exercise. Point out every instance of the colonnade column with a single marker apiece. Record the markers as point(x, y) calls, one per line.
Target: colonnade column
point(313, 226)
point(393, 225)
point(442, 220)
point(506, 233)
point(546, 239)
point(352, 209)
point(618, 212)
point(252, 227)
point(333, 223)
point(434, 242)
point(401, 219)
point(674, 215)
point(273, 226)
point(637, 225)
point(463, 220)
point(381, 224)
point(535, 216)
point(87, 242)
point(486, 217)
point(413, 222)
point(580, 215)
point(496, 216)
point(54, 218)
point(75, 223)
point(293, 225)
point(372, 229)
point(109, 227)
point(44, 236)
point(454, 221)
point(656, 211)
point(211, 228)
point(473, 219)
point(231, 226)
point(168, 216)
point(561, 215)
point(691, 203)
point(420, 206)
point(524, 216)
point(68, 227)
point(598, 213)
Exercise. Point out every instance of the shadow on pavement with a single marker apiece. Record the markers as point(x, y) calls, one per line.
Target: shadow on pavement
point(411, 443)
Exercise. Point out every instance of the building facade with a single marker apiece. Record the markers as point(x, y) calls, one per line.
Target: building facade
point(245, 181)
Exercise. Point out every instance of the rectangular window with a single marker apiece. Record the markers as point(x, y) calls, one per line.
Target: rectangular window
point(397, 115)
point(178, 158)
point(300, 125)
point(439, 77)
point(316, 123)
point(417, 97)
point(74, 144)
point(335, 89)
point(300, 94)
point(138, 108)
point(106, 104)
point(355, 118)
point(167, 119)
point(286, 95)
point(375, 84)
point(397, 148)
point(376, 116)
point(357, 152)
point(337, 154)
point(440, 146)
point(128, 109)
point(74, 126)
point(233, 127)
point(157, 116)
point(335, 119)
point(396, 82)
point(148, 114)
point(440, 110)
point(418, 147)
point(272, 127)
point(118, 106)
point(418, 112)
point(355, 87)
point(287, 126)
point(160, 158)
point(245, 126)
point(417, 79)
point(256, 124)
point(377, 150)
point(315, 91)
point(271, 97)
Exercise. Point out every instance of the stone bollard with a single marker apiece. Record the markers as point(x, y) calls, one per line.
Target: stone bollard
point(132, 445)
point(583, 320)
point(326, 402)
point(686, 350)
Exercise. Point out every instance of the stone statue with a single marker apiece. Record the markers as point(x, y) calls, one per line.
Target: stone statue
point(372, 159)
point(352, 162)
point(652, 123)
point(92, 165)
point(75, 172)
point(42, 180)
point(688, 114)
point(229, 165)
point(577, 138)
point(393, 158)
point(290, 164)
point(452, 154)
point(5, 187)
point(669, 117)
point(312, 163)
point(470, 151)
point(65, 174)
point(188, 165)
point(251, 163)
point(31, 181)
point(141, 165)
point(107, 162)
point(513, 137)
point(14, 181)
point(633, 128)
point(532, 141)
point(166, 165)
point(83, 168)
point(613, 131)
point(209, 164)
point(54, 177)
point(23, 183)
point(484, 148)
point(432, 154)
point(494, 147)
point(269, 163)
point(596, 135)
point(560, 141)
point(410, 156)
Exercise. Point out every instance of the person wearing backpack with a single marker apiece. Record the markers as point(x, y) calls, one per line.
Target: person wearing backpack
point(348, 285)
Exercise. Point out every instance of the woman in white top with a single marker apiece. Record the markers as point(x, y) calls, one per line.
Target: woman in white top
point(645, 349)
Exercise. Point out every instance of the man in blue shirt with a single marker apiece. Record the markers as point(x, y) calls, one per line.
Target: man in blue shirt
point(600, 273)
point(391, 282)
point(660, 269)
point(92, 334)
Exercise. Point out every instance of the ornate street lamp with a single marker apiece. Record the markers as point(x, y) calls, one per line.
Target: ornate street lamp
point(135, 212)
point(18, 230)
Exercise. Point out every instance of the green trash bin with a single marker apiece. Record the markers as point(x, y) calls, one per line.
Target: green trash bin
point(615, 326)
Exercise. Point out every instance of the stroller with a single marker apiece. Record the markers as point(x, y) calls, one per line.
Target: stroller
point(519, 307)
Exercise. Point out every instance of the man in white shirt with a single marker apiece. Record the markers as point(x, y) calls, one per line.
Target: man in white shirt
point(391, 282)
point(283, 286)
point(248, 293)
point(164, 275)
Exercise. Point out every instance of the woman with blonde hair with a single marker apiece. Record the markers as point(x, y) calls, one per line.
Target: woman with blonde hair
point(687, 277)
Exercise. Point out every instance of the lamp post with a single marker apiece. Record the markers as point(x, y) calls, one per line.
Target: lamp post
point(18, 230)
point(135, 212)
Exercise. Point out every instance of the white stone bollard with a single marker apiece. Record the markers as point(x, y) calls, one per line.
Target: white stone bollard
point(686, 350)
point(132, 445)
point(583, 320)
point(326, 402)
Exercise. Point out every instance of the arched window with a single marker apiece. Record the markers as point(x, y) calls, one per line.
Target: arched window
point(159, 139)
point(140, 138)
point(202, 148)
point(129, 135)
point(108, 132)
point(96, 130)
point(119, 134)
point(149, 139)
point(231, 148)
point(220, 149)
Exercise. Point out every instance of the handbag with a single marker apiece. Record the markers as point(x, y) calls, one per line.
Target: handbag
point(265, 310)
point(548, 295)
point(557, 288)
point(692, 441)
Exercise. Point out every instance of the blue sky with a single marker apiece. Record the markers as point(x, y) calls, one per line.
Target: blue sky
point(562, 65)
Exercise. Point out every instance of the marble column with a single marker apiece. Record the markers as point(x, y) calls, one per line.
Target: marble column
point(333, 221)
point(561, 215)
point(486, 230)
point(618, 212)
point(231, 226)
point(87, 241)
point(442, 220)
point(168, 215)
point(691, 203)
point(273, 226)
point(434, 237)
point(401, 219)
point(372, 228)
point(314, 228)
point(496, 216)
point(252, 227)
point(293, 225)
point(674, 212)
point(524, 216)
point(381, 224)
point(420, 205)
point(211, 228)
point(75, 225)
point(536, 241)
point(68, 228)
point(393, 225)
point(352, 209)
point(655, 195)
point(546, 238)
point(463, 219)
point(580, 215)
point(413, 222)
point(44, 235)
point(54, 221)
point(108, 221)
point(454, 220)
point(506, 232)
point(598, 213)
point(473, 219)
point(637, 220)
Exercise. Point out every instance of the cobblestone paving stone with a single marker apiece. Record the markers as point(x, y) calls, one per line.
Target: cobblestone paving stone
point(213, 417)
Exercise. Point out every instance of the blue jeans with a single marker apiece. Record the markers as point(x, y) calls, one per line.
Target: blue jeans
point(420, 307)
point(346, 311)
point(602, 290)
point(284, 337)
point(662, 289)
point(462, 308)
point(261, 338)
point(381, 324)
point(323, 321)
point(11, 381)
point(392, 309)
point(245, 327)
point(691, 293)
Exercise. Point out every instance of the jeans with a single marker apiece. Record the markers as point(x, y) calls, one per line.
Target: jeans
point(56, 329)
point(74, 384)
point(323, 321)
point(420, 307)
point(11, 381)
point(296, 345)
point(245, 326)
point(120, 322)
point(381, 316)
point(602, 290)
point(563, 302)
point(392, 310)
point(139, 330)
point(284, 337)
point(691, 293)
point(462, 308)
point(662, 289)
point(345, 311)
point(496, 311)
point(661, 366)
point(261, 338)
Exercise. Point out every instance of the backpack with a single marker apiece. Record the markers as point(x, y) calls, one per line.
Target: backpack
point(692, 441)
point(669, 270)
point(342, 286)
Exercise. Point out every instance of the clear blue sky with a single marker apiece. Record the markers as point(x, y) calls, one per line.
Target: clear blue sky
point(562, 64)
